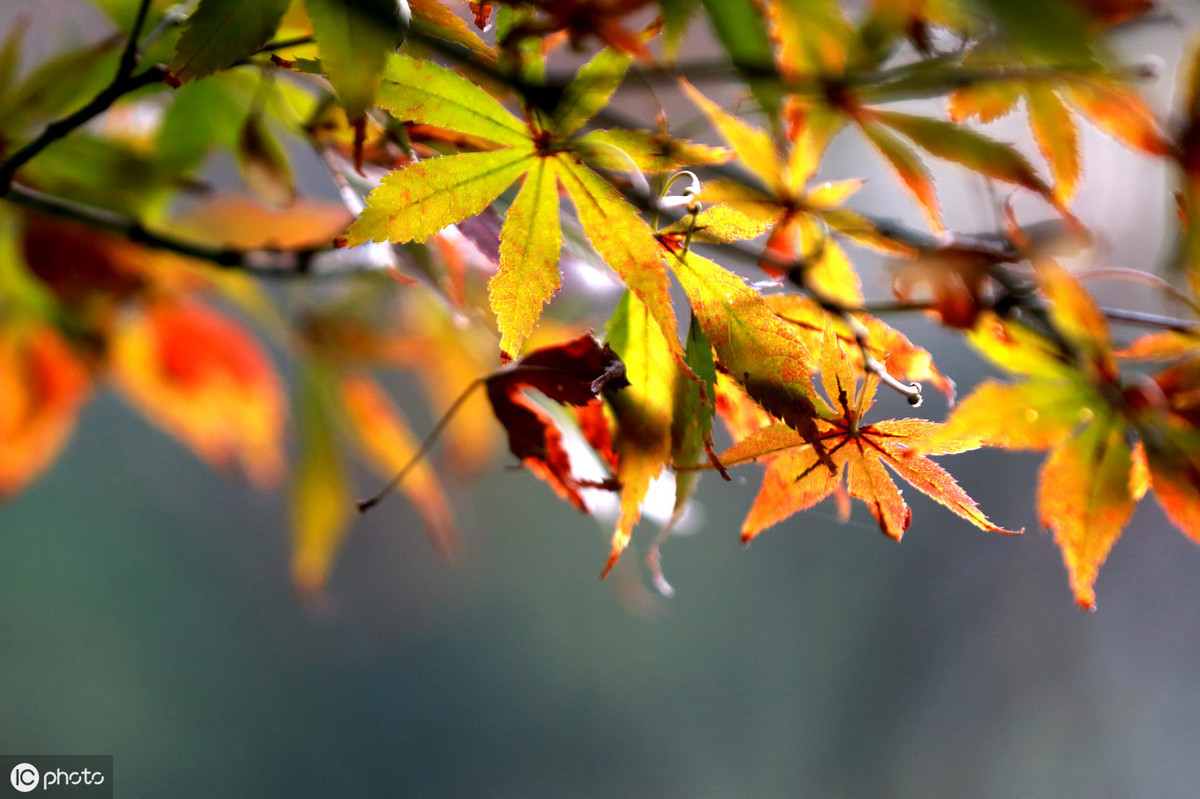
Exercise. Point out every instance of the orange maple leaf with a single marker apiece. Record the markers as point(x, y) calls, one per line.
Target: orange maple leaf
point(796, 479)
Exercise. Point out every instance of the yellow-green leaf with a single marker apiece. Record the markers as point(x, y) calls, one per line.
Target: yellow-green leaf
point(590, 90)
point(422, 91)
point(754, 147)
point(530, 242)
point(320, 495)
point(624, 241)
point(418, 200)
point(761, 351)
point(966, 147)
point(643, 410)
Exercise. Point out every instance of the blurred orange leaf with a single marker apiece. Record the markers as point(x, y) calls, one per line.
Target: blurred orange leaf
point(42, 387)
point(383, 434)
point(206, 381)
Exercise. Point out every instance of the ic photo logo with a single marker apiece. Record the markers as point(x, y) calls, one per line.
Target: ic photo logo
point(57, 776)
point(24, 777)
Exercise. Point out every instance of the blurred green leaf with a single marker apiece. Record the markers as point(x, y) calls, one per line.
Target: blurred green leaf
point(10, 54)
point(1054, 31)
point(321, 504)
point(202, 115)
point(354, 39)
point(263, 163)
point(222, 32)
point(742, 31)
point(59, 86)
point(104, 173)
point(676, 15)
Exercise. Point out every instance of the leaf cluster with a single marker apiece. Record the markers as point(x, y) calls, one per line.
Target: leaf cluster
point(491, 178)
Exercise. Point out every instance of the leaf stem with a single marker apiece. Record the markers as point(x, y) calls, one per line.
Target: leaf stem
point(426, 445)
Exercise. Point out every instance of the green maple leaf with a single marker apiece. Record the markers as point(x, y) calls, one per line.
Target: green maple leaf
point(416, 201)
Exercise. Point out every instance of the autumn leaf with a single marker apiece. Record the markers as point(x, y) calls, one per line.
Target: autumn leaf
point(571, 373)
point(1113, 106)
point(204, 380)
point(797, 478)
point(643, 408)
point(44, 384)
point(320, 490)
point(759, 350)
point(901, 358)
point(384, 436)
point(1065, 403)
point(793, 214)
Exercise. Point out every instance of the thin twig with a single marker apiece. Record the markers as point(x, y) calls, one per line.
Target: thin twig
point(130, 55)
point(268, 263)
point(59, 129)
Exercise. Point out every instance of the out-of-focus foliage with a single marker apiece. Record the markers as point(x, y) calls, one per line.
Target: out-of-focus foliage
point(474, 168)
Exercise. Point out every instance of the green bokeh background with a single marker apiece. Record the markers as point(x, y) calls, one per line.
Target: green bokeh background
point(146, 612)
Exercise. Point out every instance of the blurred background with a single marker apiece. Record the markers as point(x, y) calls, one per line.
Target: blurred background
point(146, 612)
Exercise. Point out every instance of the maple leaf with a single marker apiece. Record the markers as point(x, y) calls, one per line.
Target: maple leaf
point(418, 200)
point(797, 478)
point(571, 373)
point(763, 353)
point(580, 19)
point(903, 360)
point(1070, 402)
point(643, 408)
point(205, 380)
point(793, 215)
point(819, 41)
point(44, 384)
point(1106, 101)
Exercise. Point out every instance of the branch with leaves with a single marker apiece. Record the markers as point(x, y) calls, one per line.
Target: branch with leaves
point(453, 137)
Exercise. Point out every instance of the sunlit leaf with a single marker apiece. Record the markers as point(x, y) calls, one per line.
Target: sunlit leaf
point(530, 241)
point(753, 146)
point(909, 168)
point(1084, 498)
point(413, 203)
point(761, 351)
point(625, 242)
point(643, 411)
point(966, 147)
point(422, 91)
point(1057, 138)
point(797, 478)
point(1120, 112)
point(590, 90)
